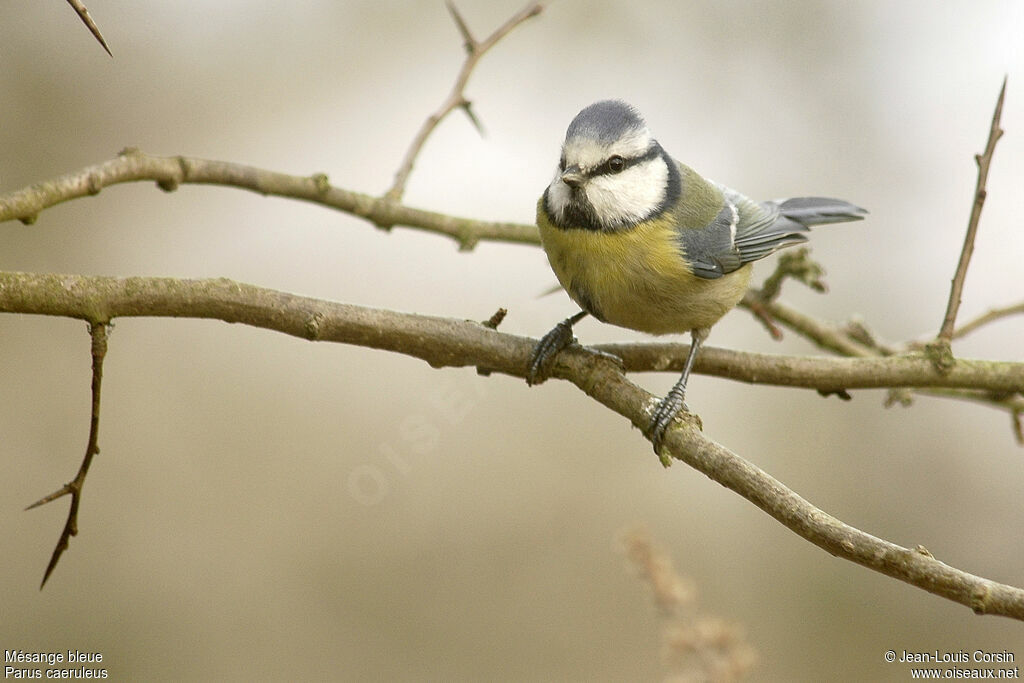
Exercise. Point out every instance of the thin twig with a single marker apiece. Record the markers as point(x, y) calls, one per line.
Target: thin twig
point(98, 332)
point(842, 340)
point(986, 318)
point(823, 334)
point(83, 14)
point(795, 264)
point(822, 374)
point(132, 165)
point(1013, 404)
point(983, 160)
point(456, 98)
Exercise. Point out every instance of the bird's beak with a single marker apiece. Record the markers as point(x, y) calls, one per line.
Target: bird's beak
point(573, 177)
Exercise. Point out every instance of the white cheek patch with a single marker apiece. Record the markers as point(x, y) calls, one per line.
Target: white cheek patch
point(630, 196)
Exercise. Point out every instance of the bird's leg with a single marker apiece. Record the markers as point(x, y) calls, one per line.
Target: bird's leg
point(670, 406)
point(548, 347)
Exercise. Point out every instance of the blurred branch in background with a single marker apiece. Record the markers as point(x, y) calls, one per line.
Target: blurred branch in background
point(695, 646)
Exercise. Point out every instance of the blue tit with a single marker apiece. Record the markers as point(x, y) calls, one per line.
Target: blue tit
point(639, 240)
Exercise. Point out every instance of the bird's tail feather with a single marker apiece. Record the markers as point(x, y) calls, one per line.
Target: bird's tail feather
point(809, 211)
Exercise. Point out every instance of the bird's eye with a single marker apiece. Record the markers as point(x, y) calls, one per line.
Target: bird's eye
point(616, 164)
point(561, 164)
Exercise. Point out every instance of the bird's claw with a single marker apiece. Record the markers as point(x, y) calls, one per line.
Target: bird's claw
point(549, 346)
point(554, 342)
point(667, 410)
point(661, 418)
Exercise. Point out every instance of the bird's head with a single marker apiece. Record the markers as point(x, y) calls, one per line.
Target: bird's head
point(612, 173)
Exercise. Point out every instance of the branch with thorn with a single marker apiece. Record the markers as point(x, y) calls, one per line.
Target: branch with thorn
point(98, 332)
point(83, 14)
point(941, 346)
point(456, 99)
point(168, 173)
point(855, 340)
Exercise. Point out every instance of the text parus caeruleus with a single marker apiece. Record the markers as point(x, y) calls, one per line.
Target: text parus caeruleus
point(639, 240)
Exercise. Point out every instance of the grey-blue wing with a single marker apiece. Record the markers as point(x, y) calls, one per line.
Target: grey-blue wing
point(711, 251)
point(745, 230)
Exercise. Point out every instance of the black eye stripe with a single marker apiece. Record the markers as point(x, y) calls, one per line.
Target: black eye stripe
point(605, 168)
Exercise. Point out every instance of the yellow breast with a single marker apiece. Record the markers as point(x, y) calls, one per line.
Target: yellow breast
point(637, 278)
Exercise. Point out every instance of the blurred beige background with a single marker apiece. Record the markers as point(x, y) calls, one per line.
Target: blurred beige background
point(266, 508)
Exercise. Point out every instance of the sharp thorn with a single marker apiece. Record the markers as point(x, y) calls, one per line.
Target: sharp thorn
point(83, 14)
point(467, 107)
point(460, 23)
point(62, 491)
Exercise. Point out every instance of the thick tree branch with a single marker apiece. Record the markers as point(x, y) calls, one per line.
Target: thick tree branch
point(916, 567)
point(445, 342)
point(131, 165)
point(105, 298)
